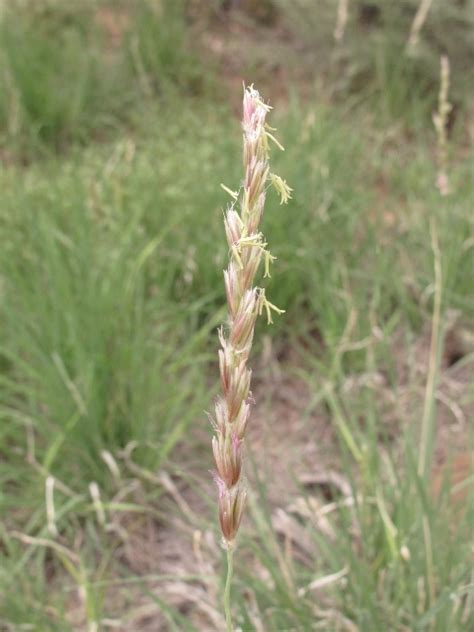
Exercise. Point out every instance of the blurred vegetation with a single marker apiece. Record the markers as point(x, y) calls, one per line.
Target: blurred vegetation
point(88, 67)
point(373, 58)
point(113, 141)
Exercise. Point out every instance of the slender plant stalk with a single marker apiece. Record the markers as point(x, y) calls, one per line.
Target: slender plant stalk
point(428, 419)
point(247, 248)
point(418, 22)
point(440, 121)
point(228, 583)
point(342, 15)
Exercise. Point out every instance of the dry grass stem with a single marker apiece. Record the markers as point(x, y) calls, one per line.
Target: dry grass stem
point(341, 23)
point(418, 22)
point(440, 120)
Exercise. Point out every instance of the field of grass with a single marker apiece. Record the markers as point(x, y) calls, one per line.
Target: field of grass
point(117, 126)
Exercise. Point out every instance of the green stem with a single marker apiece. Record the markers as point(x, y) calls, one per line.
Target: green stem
point(228, 614)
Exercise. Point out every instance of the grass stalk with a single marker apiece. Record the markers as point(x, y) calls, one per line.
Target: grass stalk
point(248, 249)
point(427, 424)
point(418, 22)
point(228, 583)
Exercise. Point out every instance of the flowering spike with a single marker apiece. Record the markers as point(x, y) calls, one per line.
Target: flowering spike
point(247, 247)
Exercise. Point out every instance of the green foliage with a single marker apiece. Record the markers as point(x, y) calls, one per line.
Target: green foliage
point(94, 328)
point(158, 49)
point(374, 555)
point(53, 89)
point(85, 66)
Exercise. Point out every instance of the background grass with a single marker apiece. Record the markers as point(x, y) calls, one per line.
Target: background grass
point(114, 139)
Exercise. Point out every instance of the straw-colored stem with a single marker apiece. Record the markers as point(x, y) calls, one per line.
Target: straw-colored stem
point(427, 422)
point(418, 22)
point(228, 582)
point(342, 15)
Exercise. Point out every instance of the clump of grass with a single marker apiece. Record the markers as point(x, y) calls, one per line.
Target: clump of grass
point(88, 315)
point(245, 302)
point(75, 81)
point(371, 553)
point(54, 89)
point(159, 50)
